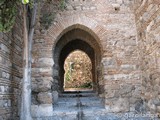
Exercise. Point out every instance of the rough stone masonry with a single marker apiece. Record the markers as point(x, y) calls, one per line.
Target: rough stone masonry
point(122, 38)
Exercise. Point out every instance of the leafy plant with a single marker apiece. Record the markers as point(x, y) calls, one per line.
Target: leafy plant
point(8, 13)
point(67, 76)
point(25, 1)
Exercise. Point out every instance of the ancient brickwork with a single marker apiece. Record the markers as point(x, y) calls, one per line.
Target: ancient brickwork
point(11, 49)
point(121, 37)
point(148, 29)
point(112, 24)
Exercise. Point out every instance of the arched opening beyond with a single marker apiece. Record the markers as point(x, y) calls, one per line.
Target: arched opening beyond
point(78, 72)
point(75, 39)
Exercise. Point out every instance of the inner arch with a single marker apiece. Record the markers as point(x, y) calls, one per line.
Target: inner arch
point(70, 47)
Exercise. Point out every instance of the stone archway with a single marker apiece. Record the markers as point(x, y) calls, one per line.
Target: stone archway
point(74, 39)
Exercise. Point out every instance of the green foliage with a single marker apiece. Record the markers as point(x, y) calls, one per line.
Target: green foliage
point(7, 14)
point(68, 76)
point(25, 1)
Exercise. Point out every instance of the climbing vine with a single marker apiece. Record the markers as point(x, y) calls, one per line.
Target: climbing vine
point(7, 14)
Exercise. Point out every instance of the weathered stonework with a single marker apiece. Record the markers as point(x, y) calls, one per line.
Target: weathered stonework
point(11, 47)
point(111, 24)
point(121, 37)
point(148, 38)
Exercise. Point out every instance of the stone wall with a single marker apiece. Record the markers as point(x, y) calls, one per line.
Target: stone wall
point(125, 41)
point(11, 47)
point(148, 29)
point(112, 24)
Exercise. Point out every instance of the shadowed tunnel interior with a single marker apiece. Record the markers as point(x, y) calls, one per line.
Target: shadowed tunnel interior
point(70, 47)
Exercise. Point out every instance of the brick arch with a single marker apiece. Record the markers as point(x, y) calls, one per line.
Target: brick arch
point(72, 40)
point(73, 32)
point(58, 29)
point(78, 26)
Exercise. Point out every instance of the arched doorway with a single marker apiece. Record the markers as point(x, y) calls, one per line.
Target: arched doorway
point(78, 72)
point(70, 41)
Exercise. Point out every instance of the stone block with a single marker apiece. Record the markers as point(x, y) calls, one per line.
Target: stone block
point(120, 105)
point(46, 61)
point(140, 106)
point(151, 105)
point(109, 93)
point(55, 96)
point(125, 89)
point(5, 75)
point(45, 98)
point(42, 110)
point(128, 67)
point(2, 89)
point(42, 84)
point(4, 48)
point(111, 87)
point(109, 62)
point(158, 109)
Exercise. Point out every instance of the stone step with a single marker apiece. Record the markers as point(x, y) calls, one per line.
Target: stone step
point(100, 117)
point(74, 114)
point(80, 108)
point(91, 101)
point(84, 101)
point(58, 117)
point(64, 102)
point(86, 114)
point(107, 116)
point(76, 106)
point(77, 94)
